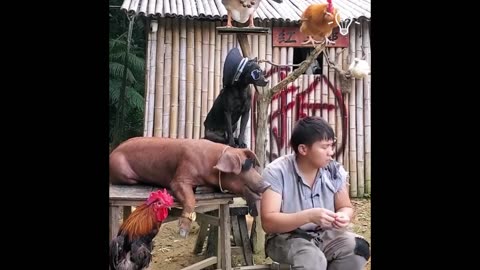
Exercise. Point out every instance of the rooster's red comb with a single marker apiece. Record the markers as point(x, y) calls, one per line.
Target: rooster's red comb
point(329, 8)
point(159, 195)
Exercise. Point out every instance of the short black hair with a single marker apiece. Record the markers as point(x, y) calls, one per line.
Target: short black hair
point(309, 130)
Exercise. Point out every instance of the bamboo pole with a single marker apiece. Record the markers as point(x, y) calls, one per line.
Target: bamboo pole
point(331, 94)
point(274, 150)
point(183, 79)
point(224, 56)
point(304, 80)
point(317, 96)
point(283, 61)
point(302, 84)
point(346, 156)
point(147, 88)
point(352, 124)
point(151, 84)
point(338, 114)
point(325, 90)
point(175, 79)
point(367, 110)
point(311, 93)
point(230, 42)
point(359, 115)
point(190, 78)
point(205, 59)
point(211, 65)
point(217, 70)
point(290, 98)
point(167, 78)
point(267, 67)
point(160, 62)
point(255, 41)
point(197, 123)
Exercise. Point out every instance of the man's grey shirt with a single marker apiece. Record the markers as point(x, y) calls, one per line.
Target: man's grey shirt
point(287, 180)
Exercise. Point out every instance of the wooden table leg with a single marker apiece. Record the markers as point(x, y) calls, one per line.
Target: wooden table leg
point(225, 248)
point(114, 221)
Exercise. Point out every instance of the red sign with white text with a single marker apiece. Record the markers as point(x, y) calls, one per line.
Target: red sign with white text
point(292, 37)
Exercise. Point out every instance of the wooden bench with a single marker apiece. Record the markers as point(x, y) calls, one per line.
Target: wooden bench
point(124, 197)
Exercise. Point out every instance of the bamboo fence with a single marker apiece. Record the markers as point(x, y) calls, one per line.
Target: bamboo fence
point(184, 68)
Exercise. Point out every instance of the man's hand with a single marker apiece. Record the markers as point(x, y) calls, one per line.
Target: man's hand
point(322, 217)
point(341, 220)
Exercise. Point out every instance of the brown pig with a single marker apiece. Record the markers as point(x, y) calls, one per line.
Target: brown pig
point(183, 164)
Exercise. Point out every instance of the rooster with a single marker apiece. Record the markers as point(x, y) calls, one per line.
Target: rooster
point(318, 21)
point(131, 249)
point(242, 10)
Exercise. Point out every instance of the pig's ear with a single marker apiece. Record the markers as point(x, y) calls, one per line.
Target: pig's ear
point(251, 154)
point(229, 162)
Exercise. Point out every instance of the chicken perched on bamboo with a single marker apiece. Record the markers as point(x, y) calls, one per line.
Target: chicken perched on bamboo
point(318, 21)
point(242, 10)
point(131, 249)
point(359, 68)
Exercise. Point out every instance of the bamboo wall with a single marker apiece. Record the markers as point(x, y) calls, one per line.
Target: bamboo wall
point(184, 69)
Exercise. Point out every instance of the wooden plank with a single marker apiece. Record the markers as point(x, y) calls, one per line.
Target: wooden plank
point(208, 202)
point(202, 264)
point(255, 267)
point(202, 235)
point(238, 210)
point(206, 208)
point(236, 231)
point(242, 30)
point(127, 210)
point(204, 218)
point(114, 221)
point(212, 240)
point(141, 192)
point(225, 248)
point(247, 248)
point(134, 192)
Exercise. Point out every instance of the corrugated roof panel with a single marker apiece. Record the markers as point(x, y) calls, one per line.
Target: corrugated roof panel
point(193, 7)
point(259, 13)
point(159, 7)
point(206, 5)
point(134, 5)
point(143, 6)
point(200, 8)
point(289, 10)
point(264, 11)
point(166, 8)
point(221, 8)
point(173, 7)
point(214, 9)
point(187, 8)
point(126, 5)
point(284, 11)
point(293, 9)
point(273, 12)
point(180, 9)
point(151, 7)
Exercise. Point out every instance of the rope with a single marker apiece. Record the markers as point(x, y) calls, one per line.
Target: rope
point(219, 172)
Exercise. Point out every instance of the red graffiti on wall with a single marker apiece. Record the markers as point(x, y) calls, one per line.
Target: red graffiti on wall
point(300, 104)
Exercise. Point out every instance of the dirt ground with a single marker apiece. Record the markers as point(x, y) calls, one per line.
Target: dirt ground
point(171, 252)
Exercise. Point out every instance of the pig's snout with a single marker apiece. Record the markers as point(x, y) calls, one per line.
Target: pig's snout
point(259, 186)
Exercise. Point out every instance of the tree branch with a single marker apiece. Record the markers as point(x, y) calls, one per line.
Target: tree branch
point(343, 73)
point(278, 65)
point(299, 71)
